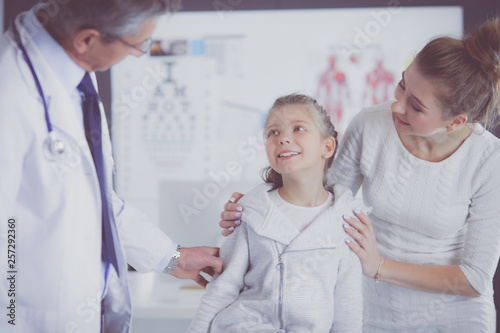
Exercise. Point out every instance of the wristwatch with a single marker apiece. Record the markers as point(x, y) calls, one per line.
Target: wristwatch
point(172, 264)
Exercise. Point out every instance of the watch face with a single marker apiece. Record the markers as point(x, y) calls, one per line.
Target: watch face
point(177, 253)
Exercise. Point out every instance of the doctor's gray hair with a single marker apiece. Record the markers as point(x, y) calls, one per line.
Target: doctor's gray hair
point(112, 18)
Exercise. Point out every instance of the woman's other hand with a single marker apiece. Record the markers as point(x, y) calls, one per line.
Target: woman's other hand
point(365, 247)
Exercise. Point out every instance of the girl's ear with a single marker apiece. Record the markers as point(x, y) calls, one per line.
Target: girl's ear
point(329, 147)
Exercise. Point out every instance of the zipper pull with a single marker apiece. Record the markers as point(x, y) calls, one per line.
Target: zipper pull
point(280, 266)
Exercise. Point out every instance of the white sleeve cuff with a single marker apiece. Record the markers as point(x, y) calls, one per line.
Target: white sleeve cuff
point(166, 259)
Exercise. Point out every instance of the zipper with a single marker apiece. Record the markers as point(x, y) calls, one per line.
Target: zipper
point(281, 268)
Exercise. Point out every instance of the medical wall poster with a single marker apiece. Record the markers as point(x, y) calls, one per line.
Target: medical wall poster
point(188, 118)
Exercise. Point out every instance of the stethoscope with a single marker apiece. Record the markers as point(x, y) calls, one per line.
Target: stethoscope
point(53, 147)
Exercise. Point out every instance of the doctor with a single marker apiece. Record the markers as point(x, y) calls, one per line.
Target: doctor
point(65, 236)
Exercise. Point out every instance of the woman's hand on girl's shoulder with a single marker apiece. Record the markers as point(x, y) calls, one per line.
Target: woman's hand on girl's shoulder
point(231, 216)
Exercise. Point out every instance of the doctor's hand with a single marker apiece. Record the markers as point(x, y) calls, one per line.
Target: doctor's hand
point(231, 216)
point(194, 260)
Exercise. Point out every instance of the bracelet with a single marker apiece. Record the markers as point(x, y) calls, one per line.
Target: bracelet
point(378, 276)
point(172, 264)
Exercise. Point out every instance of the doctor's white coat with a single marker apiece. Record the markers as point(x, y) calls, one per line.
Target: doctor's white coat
point(50, 253)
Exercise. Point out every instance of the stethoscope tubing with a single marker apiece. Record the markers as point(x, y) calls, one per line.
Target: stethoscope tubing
point(53, 145)
point(17, 38)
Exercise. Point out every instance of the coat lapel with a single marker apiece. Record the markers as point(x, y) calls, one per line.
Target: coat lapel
point(264, 218)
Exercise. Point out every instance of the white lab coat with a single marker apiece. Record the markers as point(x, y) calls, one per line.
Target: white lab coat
point(57, 211)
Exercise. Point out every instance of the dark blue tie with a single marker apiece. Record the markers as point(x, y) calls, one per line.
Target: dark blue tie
point(93, 133)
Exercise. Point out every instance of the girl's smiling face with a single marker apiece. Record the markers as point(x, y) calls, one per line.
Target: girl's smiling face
point(294, 144)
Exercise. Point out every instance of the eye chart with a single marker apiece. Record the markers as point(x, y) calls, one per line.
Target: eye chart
point(165, 129)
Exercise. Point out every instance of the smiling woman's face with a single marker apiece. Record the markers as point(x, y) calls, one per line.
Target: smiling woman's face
point(416, 110)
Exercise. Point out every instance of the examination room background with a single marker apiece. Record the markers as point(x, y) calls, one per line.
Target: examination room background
point(474, 13)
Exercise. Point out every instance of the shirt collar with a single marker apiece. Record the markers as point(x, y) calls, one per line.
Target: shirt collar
point(61, 64)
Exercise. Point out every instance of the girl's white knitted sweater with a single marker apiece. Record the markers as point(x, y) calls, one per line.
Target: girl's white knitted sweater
point(445, 213)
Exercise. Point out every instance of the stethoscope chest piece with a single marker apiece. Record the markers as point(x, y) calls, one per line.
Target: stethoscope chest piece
point(53, 148)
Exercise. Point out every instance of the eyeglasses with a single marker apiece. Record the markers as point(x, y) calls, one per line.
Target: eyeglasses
point(144, 48)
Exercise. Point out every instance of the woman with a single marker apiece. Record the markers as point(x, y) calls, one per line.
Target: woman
point(431, 173)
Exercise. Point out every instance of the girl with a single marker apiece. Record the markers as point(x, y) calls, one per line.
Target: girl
point(287, 268)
